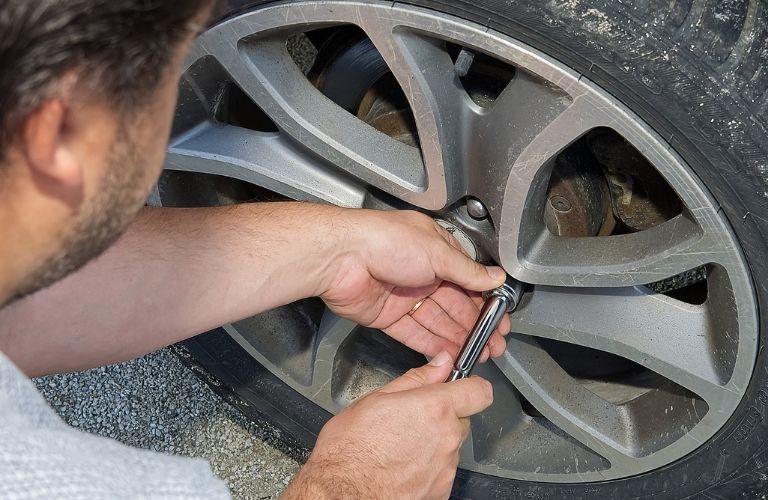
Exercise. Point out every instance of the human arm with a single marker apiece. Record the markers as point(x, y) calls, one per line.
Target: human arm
point(180, 272)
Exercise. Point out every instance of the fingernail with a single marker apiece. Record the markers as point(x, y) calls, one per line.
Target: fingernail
point(440, 359)
point(496, 273)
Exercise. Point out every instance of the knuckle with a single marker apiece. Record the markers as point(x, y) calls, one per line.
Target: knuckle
point(421, 219)
point(415, 375)
point(442, 409)
point(478, 392)
point(476, 268)
point(451, 438)
point(456, 436)
point(440, 257)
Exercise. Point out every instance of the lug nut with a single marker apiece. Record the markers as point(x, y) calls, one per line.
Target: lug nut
point(476, 209)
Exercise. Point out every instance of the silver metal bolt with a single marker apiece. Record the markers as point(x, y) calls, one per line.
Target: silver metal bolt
point(476, 209)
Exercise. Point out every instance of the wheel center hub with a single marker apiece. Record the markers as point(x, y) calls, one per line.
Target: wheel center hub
point(463, 238)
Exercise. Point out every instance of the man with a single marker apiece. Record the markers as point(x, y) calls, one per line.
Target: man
point(87, 92)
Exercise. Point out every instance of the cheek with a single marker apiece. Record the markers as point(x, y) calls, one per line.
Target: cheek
point(156, 131)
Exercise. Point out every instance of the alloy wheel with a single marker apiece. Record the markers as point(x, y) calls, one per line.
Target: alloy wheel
point(639, 335)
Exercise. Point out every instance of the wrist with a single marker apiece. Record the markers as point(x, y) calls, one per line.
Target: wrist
point(322, 479)
point(319, 238)
point(343, 244)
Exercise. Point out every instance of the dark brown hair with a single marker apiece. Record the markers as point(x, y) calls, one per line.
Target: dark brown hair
point(121, 46)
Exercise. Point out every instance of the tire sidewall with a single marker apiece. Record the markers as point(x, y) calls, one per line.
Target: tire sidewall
point(727, 163)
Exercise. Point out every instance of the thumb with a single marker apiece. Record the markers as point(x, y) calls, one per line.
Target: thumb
point(455, 266)
point(434, 372)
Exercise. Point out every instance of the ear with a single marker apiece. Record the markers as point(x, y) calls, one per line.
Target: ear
point(46, 148)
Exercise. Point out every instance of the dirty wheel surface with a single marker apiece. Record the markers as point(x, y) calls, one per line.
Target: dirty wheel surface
point(612, 156)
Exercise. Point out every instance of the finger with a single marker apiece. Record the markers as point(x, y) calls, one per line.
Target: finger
point(505, 326)
point(434, 318)
point(410, 333)
point(485, 355)
point(400, 301)
point(496, 345)
point(459, 305)
point(494, 348)
point(464, 311)
point(468, 396)
point(477, 299)
point(453, 265)
point(434, 372)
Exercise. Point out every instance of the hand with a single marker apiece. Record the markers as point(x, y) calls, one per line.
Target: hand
point(394, 260)
point(400, 441)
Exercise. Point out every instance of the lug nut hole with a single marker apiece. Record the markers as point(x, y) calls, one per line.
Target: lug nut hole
point(560, 203)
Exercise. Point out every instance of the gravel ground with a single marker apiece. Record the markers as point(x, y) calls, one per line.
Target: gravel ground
point(156, 403)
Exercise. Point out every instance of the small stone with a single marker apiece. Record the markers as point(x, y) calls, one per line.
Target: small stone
point(155, 403)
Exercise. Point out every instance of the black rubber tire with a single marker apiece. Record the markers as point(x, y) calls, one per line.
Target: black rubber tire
point(697, 72)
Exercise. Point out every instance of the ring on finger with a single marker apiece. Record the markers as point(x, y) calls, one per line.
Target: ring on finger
point(416, 307)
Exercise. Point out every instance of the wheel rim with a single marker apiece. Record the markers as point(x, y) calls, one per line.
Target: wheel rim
point(546, 423)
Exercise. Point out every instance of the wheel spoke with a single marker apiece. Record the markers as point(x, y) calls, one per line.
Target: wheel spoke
point(440, 106)
point(503, 416)
point(524, 172)
point(264, 159)
point(330, 336)
point(264, 70)
point(517, 117)
point(672, 338)
point(666, 250)
point(599, 425)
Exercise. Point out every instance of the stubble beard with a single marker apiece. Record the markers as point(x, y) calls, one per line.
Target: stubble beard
point(100, 223)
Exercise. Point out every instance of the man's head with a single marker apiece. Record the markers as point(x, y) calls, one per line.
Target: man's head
point(87, 90)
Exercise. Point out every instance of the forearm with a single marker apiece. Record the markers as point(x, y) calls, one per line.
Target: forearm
point(324, 481)
point(174, 274)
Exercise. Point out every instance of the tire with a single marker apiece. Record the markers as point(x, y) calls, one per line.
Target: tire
point(695, 72)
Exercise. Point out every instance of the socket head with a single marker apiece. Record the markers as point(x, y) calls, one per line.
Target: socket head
point(511, 290)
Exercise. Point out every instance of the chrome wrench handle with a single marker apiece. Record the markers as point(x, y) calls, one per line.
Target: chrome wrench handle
point(498, 302)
